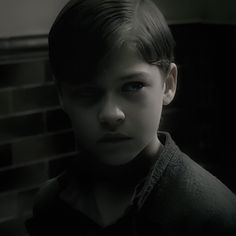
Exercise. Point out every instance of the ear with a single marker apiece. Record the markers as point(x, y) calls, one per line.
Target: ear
point(170, 84)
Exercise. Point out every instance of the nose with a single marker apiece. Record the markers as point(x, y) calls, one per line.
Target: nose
point(110, 116)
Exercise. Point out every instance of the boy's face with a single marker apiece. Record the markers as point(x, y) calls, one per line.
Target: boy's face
point(116, 117)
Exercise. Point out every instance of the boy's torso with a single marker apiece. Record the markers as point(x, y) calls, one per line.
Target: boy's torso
point(176, 198)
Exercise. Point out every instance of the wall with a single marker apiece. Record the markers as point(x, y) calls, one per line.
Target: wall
point(30, 17)
point(27, 17)
point(35, 135)
point(199, 11)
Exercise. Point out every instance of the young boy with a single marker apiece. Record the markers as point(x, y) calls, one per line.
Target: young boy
point(113, 64)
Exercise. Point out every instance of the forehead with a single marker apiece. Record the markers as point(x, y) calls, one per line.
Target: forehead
point(123, 63)
point(117, 65)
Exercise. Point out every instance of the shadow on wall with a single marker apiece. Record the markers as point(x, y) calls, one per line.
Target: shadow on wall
point(203, 124)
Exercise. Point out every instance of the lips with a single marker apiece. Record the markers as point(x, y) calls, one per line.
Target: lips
point(113, 138)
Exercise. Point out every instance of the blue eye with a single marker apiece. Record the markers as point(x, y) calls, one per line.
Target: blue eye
point(133, 86)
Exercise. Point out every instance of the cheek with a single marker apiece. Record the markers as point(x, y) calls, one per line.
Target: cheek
point(144, 125)
point(150, 118)
point(83, 123)
point(146, 112)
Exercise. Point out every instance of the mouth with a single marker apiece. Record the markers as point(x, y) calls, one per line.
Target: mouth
point(114, 138)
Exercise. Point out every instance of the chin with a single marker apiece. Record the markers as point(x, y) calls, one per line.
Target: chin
point(117, 159)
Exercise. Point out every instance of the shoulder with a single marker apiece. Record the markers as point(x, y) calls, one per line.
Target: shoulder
point(46, 197)
point(43, 209)
point(190, 196)
point(200, 185)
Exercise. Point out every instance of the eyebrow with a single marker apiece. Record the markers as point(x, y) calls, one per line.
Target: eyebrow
point(128, 76)
point(134, 75)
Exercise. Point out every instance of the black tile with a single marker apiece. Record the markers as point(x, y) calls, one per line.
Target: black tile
point(21, 126)
point(5, 102)
point(22, 74)
point(23, 177)
point(5, 155)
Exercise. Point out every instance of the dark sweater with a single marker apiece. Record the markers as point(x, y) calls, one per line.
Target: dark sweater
point(177, 197)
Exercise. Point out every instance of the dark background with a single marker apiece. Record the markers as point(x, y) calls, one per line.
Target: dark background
point(202, 121)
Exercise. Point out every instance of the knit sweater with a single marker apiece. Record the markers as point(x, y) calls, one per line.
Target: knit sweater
point(177, 197)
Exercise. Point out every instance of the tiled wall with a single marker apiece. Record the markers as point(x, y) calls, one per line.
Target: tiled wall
point(35, 135)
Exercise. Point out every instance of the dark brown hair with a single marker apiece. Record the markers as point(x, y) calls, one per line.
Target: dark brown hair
point(86, 30)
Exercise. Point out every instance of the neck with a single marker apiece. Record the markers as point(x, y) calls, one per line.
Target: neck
point(127, 174)
point(151, 151)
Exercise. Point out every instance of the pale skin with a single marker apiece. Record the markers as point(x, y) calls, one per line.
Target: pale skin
point(127, 97)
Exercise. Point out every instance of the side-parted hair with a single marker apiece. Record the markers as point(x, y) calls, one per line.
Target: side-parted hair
point(86, 30)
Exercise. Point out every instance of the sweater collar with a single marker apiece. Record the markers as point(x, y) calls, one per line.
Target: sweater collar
point(144, 188)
